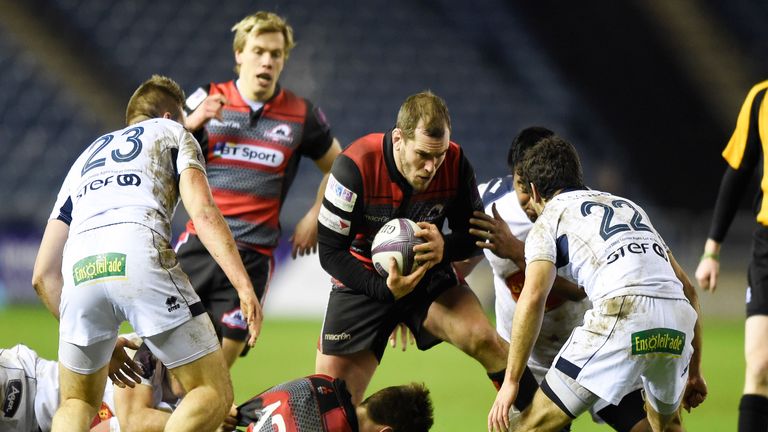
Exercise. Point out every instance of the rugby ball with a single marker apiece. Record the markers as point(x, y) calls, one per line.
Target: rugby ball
point(395, 239)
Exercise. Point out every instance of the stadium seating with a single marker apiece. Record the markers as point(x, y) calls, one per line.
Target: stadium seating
point(353, 60)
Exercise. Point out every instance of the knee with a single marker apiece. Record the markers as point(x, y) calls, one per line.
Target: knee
point(757, 373)
point(227, 396)
point(481, 340)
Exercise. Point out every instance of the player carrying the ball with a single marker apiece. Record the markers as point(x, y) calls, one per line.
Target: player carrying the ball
point(413, 171)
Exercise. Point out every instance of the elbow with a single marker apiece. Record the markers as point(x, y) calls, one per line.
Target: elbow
point(38, 283)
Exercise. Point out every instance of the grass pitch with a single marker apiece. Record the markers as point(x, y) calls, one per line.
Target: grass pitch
point(461, 392)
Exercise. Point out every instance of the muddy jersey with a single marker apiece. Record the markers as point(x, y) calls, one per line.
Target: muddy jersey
point(29, 391)
point(365, 190)
point(253, 157)
point(130, 175)
point(607, 242)
point(561, 315)
point(316, 403)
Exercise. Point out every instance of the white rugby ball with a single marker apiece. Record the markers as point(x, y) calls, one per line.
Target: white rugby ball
point(396, 240)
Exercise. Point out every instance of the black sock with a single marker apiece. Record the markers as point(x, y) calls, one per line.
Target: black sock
point(753, 413)
point(528, 386)
point(497, 378)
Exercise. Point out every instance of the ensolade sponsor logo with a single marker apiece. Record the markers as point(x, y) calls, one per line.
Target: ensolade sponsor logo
point(337, 336)
point(98, 266)
point(658, 340)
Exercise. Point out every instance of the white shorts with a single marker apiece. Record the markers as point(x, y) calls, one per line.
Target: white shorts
point(629, 338)
point(122, 272)
point(176, 347)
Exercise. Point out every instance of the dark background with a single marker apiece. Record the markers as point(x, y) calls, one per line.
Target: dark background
point(648, 91)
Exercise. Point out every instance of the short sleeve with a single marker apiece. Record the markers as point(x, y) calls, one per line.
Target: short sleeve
point(317, 137)
point(189, 155)
point(540, 245)
point(62, 209)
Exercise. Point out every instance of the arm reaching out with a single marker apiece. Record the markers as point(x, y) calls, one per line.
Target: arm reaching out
point(696, 390)
point(304, 238)
point(525, 329)
point(46, 276)
point(217, 238)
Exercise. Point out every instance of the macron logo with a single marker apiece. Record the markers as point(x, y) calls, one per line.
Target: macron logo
point(338, 336)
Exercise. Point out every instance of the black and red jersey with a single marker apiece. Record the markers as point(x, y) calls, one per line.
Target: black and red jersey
point(317, 403)
point(252, 158)
point(365, 190)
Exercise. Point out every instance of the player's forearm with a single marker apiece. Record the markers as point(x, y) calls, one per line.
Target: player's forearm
point(46, 275)
point(529, 314)
point(712, 248)
point(49, 291)
point(340, 264)
point(217, 239)
point(526, 325)
point(693, 298)
point(459, 246)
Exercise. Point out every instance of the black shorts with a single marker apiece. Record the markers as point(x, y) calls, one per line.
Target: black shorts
point(355, 322)
point(757, 276)
point(216, 293)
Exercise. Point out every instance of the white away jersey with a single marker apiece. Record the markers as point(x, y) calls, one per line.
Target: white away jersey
point(29, 390)
point(561, 317)
point(608, 243)
point(130, 175)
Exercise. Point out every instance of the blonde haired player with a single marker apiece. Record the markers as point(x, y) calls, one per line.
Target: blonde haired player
point(253, 133)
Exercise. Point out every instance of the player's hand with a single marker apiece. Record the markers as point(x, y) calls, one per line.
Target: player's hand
point(230, 421)
point(304, 238)
point(695, 392)
point(123, 371)
point(210, 108)
point(498, 418)
point(402, 285)
point(251, 310)
point(405, 336)
point(707, 273)
point(496, 235)
point(429, 253)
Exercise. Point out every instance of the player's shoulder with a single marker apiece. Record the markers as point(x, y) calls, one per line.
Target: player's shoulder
point(495, 189)
point(19, 356)
point(367, 145)
point(761, 86)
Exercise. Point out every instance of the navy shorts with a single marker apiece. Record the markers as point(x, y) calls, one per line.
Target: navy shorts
point(355, 322)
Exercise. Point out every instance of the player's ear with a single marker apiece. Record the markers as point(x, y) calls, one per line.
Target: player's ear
point(397, 138)
point(535, 196)
point(168, 115)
